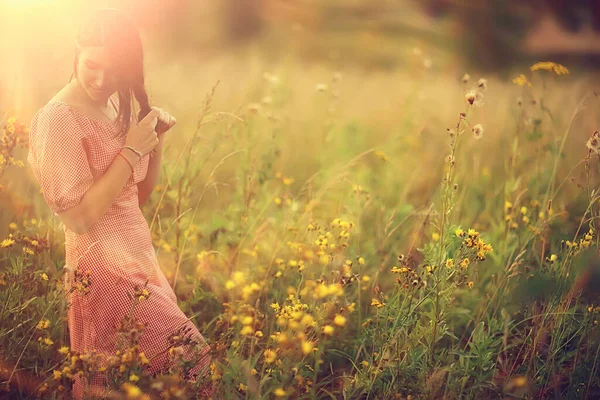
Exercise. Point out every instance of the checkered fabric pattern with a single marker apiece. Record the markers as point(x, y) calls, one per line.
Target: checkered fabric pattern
point(68, 151)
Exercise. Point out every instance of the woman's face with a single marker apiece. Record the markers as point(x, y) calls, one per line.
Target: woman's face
point(95, 73)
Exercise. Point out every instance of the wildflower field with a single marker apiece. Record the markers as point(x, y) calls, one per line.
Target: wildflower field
point(410, 235)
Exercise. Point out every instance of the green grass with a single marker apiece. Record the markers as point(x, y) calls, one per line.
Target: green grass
point(318, 238)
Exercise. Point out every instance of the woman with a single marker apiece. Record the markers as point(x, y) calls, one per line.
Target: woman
point(96, 165)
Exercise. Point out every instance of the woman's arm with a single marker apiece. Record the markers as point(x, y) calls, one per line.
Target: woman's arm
point(100, 196)
point(146, 187)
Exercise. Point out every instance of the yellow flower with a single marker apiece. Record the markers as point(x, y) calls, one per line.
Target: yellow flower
point(558, 69)
point(307, 347)
point(377, 303)
point(143, 358)
point(521, 80)
point(449, 263)
point(328, 330)
point(553, 257)
point(132, 391)
point(247, 330)
point(435, 236)
point(43, 324)
point(7, 243)
point(63, 350)
point(134, 378)
point(523, 210)
point(44, 277)
point(270, 356)
point(279, 392)
point(339, 320)
point(470, 284)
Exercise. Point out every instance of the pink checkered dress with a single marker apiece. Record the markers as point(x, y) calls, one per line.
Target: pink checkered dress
point(68, 151)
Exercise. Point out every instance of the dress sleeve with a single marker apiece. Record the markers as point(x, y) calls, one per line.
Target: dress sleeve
point(58, 156)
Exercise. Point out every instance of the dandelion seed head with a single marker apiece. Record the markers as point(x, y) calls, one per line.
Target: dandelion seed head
point(477, 131)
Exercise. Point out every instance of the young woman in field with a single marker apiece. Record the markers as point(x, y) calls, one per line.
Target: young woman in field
point(96, 164)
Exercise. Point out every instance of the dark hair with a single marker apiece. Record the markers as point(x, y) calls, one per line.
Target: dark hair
point(111, 28)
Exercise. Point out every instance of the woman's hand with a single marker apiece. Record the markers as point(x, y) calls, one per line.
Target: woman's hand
point(143, 136)
point(165, 121)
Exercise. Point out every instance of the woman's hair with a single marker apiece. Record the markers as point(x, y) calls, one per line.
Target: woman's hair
point(112, 29)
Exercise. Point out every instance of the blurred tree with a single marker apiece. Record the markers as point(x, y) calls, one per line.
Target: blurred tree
point(492, 33)
point(243, 19)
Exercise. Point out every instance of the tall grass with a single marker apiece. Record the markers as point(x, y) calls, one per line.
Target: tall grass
point(332, 240)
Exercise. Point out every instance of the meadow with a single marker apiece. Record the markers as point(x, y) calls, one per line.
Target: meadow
point(414, 233)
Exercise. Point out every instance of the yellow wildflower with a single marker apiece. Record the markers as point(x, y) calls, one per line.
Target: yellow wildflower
point(558, 69)
point(270, 356)
point(339, 320)
point(521, 80)
point(377, 303)
point(307, 347)
point(143, 359)
point(247, 330)
point(132, 391)
point(7, 243)
point(43, 324)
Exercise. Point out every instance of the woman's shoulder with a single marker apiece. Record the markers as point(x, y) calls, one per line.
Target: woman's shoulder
point(57, 116)
point(54, 111)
